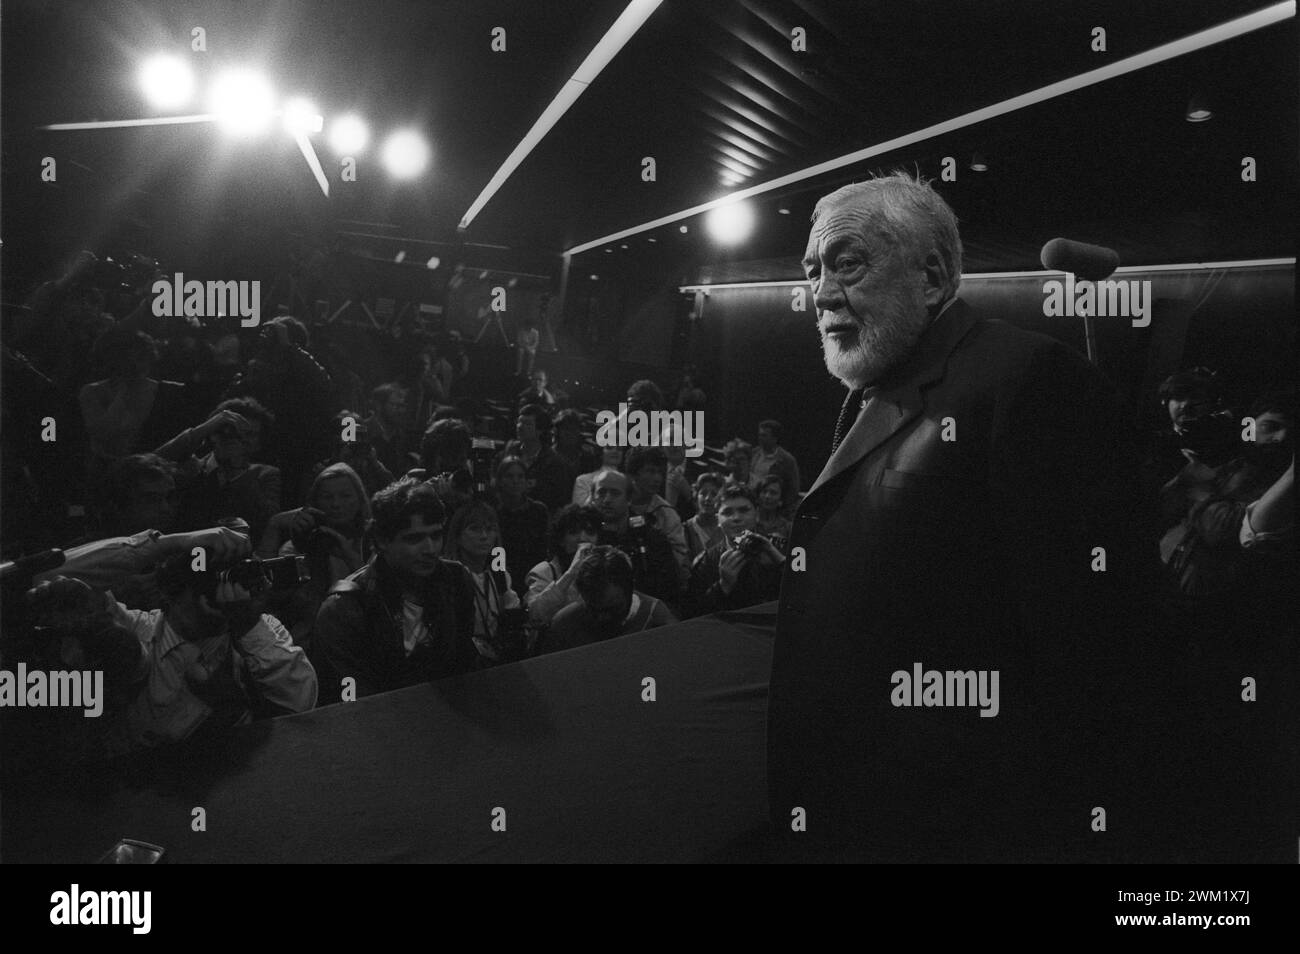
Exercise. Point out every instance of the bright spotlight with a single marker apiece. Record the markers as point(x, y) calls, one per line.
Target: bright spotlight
point(242, 102)
point(731, 223)
point(167, 81)
point(300, 116)
point(405, 154)
point(348, 135)
point(433, 263)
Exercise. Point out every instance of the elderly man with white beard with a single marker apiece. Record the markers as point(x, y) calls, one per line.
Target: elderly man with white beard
point(976, 515)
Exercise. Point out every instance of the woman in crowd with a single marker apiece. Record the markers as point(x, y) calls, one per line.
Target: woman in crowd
point(702, 530)
point(472, 534)
point(330, 531)
point(523, 520)
point(772, 508)
point(551, 583)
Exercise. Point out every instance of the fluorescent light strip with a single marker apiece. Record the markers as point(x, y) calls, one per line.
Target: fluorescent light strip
point(624, 28)
point(128, 123)
point(981, 276)
point(308, 153)
point(1197, 41)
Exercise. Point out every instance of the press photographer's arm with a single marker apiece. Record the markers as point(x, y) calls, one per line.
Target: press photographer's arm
point(209, 659)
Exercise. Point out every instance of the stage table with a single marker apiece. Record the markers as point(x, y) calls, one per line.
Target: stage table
point(563, 748)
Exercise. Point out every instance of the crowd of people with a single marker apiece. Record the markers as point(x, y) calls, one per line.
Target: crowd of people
point(347, 549)
point(403, 542)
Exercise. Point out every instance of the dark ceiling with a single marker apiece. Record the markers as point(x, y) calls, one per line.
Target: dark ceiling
point(710, 88)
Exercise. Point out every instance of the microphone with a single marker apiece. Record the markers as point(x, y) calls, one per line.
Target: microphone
point(1089, 262)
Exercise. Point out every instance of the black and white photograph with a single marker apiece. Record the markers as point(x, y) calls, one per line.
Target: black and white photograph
point(650, 431)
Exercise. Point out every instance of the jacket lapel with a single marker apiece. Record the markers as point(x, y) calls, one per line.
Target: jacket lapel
point(898, 400)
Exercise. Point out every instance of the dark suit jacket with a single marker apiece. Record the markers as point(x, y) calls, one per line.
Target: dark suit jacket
point(359, 631)
point(966, 554)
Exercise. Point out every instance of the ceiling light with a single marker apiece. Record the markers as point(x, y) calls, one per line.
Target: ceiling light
point(348, 135)
point(242, 102)
point(299, 116)
point(167, 81)
point(1198, 109)
point(405, 154)
point(731, 223)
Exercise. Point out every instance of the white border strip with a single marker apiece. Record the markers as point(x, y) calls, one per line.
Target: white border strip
point(1189, 44)
point(979, 276)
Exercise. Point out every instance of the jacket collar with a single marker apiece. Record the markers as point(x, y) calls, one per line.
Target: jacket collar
point(896, 399)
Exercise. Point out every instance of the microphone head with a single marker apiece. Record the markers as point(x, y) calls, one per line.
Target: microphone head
point(1089, 262)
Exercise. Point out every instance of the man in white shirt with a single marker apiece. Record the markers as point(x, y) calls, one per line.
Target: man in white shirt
point(208, 660)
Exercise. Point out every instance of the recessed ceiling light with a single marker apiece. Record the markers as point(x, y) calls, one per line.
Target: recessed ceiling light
point(1198, 110)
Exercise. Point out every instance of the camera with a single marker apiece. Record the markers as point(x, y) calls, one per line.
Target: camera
point(253, 574)
point(1214, 438)
point(481, 454)
point(750, 543)
point(279, 573)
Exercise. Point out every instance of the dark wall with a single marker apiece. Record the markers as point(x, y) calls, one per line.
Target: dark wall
point(759, 358)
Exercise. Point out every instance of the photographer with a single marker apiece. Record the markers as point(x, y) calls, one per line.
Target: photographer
point(130, 562)
point(647, 467)
point(1235, 521)
point(330, 532)
point(646, 546)
point(550, 479)
point(743, 570)
point(208, 660)
point(610, 606)
point(284, 377)
point(1196, 425)
point(358, 453)
point(227, 483)
point(551, 583)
